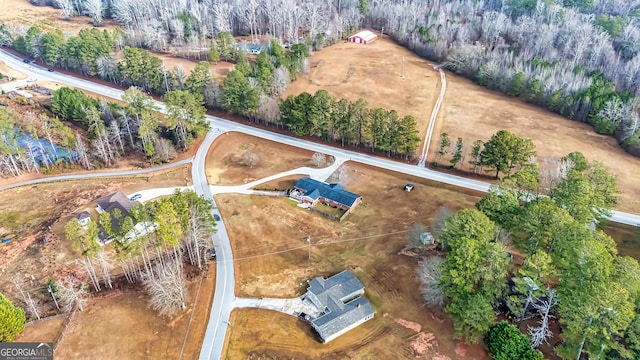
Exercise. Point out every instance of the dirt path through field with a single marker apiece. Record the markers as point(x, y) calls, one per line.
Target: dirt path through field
point(434, 117)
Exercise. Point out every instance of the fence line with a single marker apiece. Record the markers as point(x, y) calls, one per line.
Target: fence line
point(58, 338)
point(33, 322)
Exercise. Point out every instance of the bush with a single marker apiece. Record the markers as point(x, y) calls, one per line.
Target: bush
point(12, 320)
point(604, 126)
point(505, 342)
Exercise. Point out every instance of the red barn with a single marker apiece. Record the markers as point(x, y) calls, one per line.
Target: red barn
point(363, 37)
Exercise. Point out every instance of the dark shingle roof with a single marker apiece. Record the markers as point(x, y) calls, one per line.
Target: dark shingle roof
point(116, 200)
point(110, 202)
point(341, 316)
point(83, 215)
point(314, 189)
point(332, 294)
point(338, 286)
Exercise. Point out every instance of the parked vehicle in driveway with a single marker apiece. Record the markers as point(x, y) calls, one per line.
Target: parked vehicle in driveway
point(212, 254)
point(135, 197)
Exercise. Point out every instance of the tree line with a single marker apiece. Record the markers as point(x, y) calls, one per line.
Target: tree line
point(180, 229)
point(115, 131)
point(503, 153)
point(571, 273)
point(576, 58)
point(350, 123)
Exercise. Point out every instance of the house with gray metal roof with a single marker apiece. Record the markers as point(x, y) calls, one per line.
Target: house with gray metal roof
point(342, 307)
point(310, 191)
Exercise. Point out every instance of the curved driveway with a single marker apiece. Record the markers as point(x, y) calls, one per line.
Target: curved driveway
point(224, 296)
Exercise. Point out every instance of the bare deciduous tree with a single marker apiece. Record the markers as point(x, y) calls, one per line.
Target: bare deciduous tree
point(104, 261)
point(66, 7)
point(318, 159)
point(167, 288)
point(429, 273)
point(31, 304)
point(250, 159)
point(94, 10)
point(442, 214)
point(71, 293)
point(542, 333)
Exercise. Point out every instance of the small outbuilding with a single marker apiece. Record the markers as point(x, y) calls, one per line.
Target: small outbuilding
point(408, 187)
point(363, 37)
point(83, 218)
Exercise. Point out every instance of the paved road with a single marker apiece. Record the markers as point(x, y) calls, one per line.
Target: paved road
point(224, 297)
point(95, 175)
point(223, 300)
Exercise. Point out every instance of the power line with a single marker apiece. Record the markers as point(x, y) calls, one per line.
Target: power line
point(319, 243)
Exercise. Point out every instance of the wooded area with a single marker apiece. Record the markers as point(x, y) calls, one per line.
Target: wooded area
point(183, 226)
point(571, 271)
point(579, 58)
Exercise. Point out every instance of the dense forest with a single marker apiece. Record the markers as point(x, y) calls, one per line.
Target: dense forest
point(579, 58)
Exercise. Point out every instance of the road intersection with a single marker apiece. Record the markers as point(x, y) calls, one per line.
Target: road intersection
point(224, 298)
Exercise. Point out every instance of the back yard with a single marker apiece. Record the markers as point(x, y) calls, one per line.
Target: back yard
point(367, 243)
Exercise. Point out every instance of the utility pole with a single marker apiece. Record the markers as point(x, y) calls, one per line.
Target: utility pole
point(308, 238)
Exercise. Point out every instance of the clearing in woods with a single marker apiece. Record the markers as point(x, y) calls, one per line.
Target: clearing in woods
point(45, 17)
point(225, 164)
point(474, 113)
point(262, 225)
point(374, 72)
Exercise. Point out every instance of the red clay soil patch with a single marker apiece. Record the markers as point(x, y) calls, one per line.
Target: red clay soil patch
point(374, 72)
point(225, 164)
point(409, 325)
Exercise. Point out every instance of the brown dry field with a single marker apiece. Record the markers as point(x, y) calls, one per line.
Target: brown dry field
point(46, 17)
point(262, 225)
point(468, 111)
point(224, 159)
point(107, 330)
point(219, 70)
point(472, 112)
point(41, 210)
point(7, 71)
point(352, 71)
point(45, 331)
